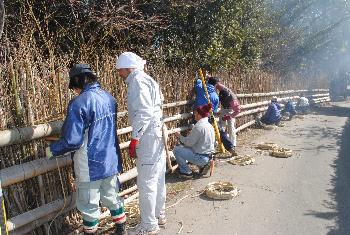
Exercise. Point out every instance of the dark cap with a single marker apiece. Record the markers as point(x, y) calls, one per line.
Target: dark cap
point(213, 80)
point(79, 69)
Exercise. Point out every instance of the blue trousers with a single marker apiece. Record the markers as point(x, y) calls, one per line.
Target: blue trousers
point(184, 155)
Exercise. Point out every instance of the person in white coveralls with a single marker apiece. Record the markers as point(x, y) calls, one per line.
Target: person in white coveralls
point(145, 115)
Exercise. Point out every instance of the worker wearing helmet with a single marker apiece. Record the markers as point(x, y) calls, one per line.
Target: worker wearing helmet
point(145, 115)
point(90, 130)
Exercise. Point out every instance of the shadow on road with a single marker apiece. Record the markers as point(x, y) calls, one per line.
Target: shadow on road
point(340, 183)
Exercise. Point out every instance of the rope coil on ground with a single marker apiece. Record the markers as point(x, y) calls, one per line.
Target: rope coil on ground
point(242, 160)
point(281, 152)
point(221, 190)
point(275, 150)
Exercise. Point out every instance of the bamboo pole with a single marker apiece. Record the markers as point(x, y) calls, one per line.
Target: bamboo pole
point(246, 125)
point(20, 135)
point(128, 191)
point(318, 95)
point(252, 111)
point(3, 227)
point(18, 173)
point(167, 119)
point(215, 125)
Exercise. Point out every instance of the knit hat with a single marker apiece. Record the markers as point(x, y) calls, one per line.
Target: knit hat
point(204, 110)
point(274, 99)
point(213, 80)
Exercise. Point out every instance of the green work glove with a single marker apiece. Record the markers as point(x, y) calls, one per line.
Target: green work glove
point(48, 152)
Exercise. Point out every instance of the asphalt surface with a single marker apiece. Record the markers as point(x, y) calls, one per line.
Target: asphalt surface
point(308, 193)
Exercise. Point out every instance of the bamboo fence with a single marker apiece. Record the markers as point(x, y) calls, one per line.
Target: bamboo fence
point(39, 169)
point(34, 96)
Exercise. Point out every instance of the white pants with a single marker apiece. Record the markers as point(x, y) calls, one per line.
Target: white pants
point(151, 167)
point(229, 126)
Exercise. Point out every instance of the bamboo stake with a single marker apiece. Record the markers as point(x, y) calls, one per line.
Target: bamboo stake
point(215, 125)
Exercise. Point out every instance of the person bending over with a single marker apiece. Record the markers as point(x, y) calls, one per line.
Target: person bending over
point(273, 113)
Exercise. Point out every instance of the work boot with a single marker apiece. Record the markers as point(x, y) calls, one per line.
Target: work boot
point(204, 169)
point(120, 229)
point(233, 153)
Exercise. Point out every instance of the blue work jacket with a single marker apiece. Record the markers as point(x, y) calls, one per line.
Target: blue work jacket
point(90, 130)
point(201, 98)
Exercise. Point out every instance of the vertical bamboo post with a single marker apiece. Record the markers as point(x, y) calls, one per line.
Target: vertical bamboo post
point(3, 227)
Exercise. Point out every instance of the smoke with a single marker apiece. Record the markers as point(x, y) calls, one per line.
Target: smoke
point(323, 27)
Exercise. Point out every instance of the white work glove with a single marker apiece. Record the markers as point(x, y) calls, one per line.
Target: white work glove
point(48, 152)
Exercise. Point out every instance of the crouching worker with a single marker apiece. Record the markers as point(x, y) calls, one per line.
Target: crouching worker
point(198, 146)
point(273, 113)
point(90, 130)
point(303, 105)
point(289, 109)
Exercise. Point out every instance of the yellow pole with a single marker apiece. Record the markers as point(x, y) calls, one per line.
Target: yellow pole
point(215, 125)
point(3, 211)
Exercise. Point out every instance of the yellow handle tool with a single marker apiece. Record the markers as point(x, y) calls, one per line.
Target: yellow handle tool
point(215, 124)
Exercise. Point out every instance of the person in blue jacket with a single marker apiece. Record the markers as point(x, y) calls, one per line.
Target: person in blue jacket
point(289, 109)
point(89, 130)
point(201, 98)
point(273, 113)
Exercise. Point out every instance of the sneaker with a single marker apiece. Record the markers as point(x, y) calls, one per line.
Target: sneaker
point(186, 175)
point(120, 229)
point(162, 219)
point(204, 169)
point(141, 230)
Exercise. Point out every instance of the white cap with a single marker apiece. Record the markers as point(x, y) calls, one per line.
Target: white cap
point(130, 60)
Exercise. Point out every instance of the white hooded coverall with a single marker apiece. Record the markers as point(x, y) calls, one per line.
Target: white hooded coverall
point(145, 115)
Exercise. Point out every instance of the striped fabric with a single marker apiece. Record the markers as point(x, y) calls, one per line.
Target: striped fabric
point(118, 215)
point(90, 227)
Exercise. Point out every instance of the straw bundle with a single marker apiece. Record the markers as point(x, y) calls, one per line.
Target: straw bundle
point(243, 160)
point(281, 152)
point(221, 190)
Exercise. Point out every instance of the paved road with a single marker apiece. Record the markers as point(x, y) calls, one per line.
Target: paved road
point(308, 193)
